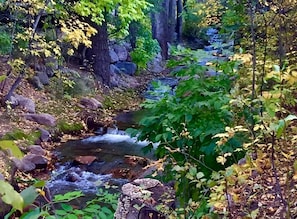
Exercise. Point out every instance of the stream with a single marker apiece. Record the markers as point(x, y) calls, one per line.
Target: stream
point(112, 154)
point(116, 158)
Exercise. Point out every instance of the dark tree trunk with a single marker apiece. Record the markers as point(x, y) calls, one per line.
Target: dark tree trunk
point(163, 25)
point(99, 54)
point(179, 21)
point(171, 20)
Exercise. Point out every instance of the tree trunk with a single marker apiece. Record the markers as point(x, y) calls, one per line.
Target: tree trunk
point(99, 53)
point(171, 20)
point(163, 25)
point(179, 21)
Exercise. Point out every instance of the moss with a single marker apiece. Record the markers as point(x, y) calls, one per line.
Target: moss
point(69, 128)
point(19, 134)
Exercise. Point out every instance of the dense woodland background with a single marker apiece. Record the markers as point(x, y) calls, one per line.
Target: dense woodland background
point(227, 140)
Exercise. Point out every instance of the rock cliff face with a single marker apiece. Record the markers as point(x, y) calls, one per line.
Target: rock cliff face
point(145, 198)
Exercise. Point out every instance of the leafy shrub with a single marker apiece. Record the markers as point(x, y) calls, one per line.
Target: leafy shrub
point(146, 49)
point(103, 206)
point(5, 43)
point(186, 126)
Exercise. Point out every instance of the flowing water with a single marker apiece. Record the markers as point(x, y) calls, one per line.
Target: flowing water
point(109, 150)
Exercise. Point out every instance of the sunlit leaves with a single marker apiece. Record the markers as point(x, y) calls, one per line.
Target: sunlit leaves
point(77, 32)
point(10, 196)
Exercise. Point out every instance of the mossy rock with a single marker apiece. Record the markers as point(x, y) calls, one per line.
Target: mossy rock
point(69, 128)
point(19, 134)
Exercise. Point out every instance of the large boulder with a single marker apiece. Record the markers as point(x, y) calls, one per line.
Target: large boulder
point(30, 162)
point(114, 69)
point(37, 150)
point(25, 102)
point(121, 52)
point(35, 81)
point(128, 68)
point(43, 77)
point(156, 65)
point(113, 56)
point(122, 80)
point(42, 118)
point(143, 197)
point(90, 103)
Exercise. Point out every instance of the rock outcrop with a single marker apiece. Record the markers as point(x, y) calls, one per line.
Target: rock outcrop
point(143, 198)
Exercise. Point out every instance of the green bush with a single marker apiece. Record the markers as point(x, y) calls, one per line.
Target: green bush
point(5, 43)
point(146, 49)
point(186, 125)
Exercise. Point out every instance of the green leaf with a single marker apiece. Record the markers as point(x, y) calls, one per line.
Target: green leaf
point(66, 207)
point(68, 196)
point(61, 212)
point(29, 195)
point(12, 147)
point(102, 215)
point(71, 216)
point(39, 184)
point(35, 214)
point(106, 210)
point(2, 78)
point(193, 171)
point(10, 196)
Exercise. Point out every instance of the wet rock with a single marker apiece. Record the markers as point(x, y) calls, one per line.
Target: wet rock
point(72, 177)
point(37, 150)
point(42, 118)
point(90, 103)
point(85, 159)
point(140, 198)
point(128, 68)
point(25, 102)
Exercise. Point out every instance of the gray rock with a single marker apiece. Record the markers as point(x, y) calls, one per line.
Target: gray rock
point(45, 135)
point(121, 52)
point(35, 159)
point(13, 101)
point(42, 118)
point(90, 103)
point(141, 198)
point(114, 69)
point(50, 72)
point(128, 68)
point(23, 165)
point(30, 162)
point(156, 65)
point(43, 77)
point(122, 80)
point(37, 150)
point(113, 56)
point(2, 177)
point(52, 63)
point(35, 81)
point(25, 102)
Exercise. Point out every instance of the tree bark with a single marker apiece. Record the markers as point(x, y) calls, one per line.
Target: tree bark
point(99, 54)
point(163, 25)
point(179, 21)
